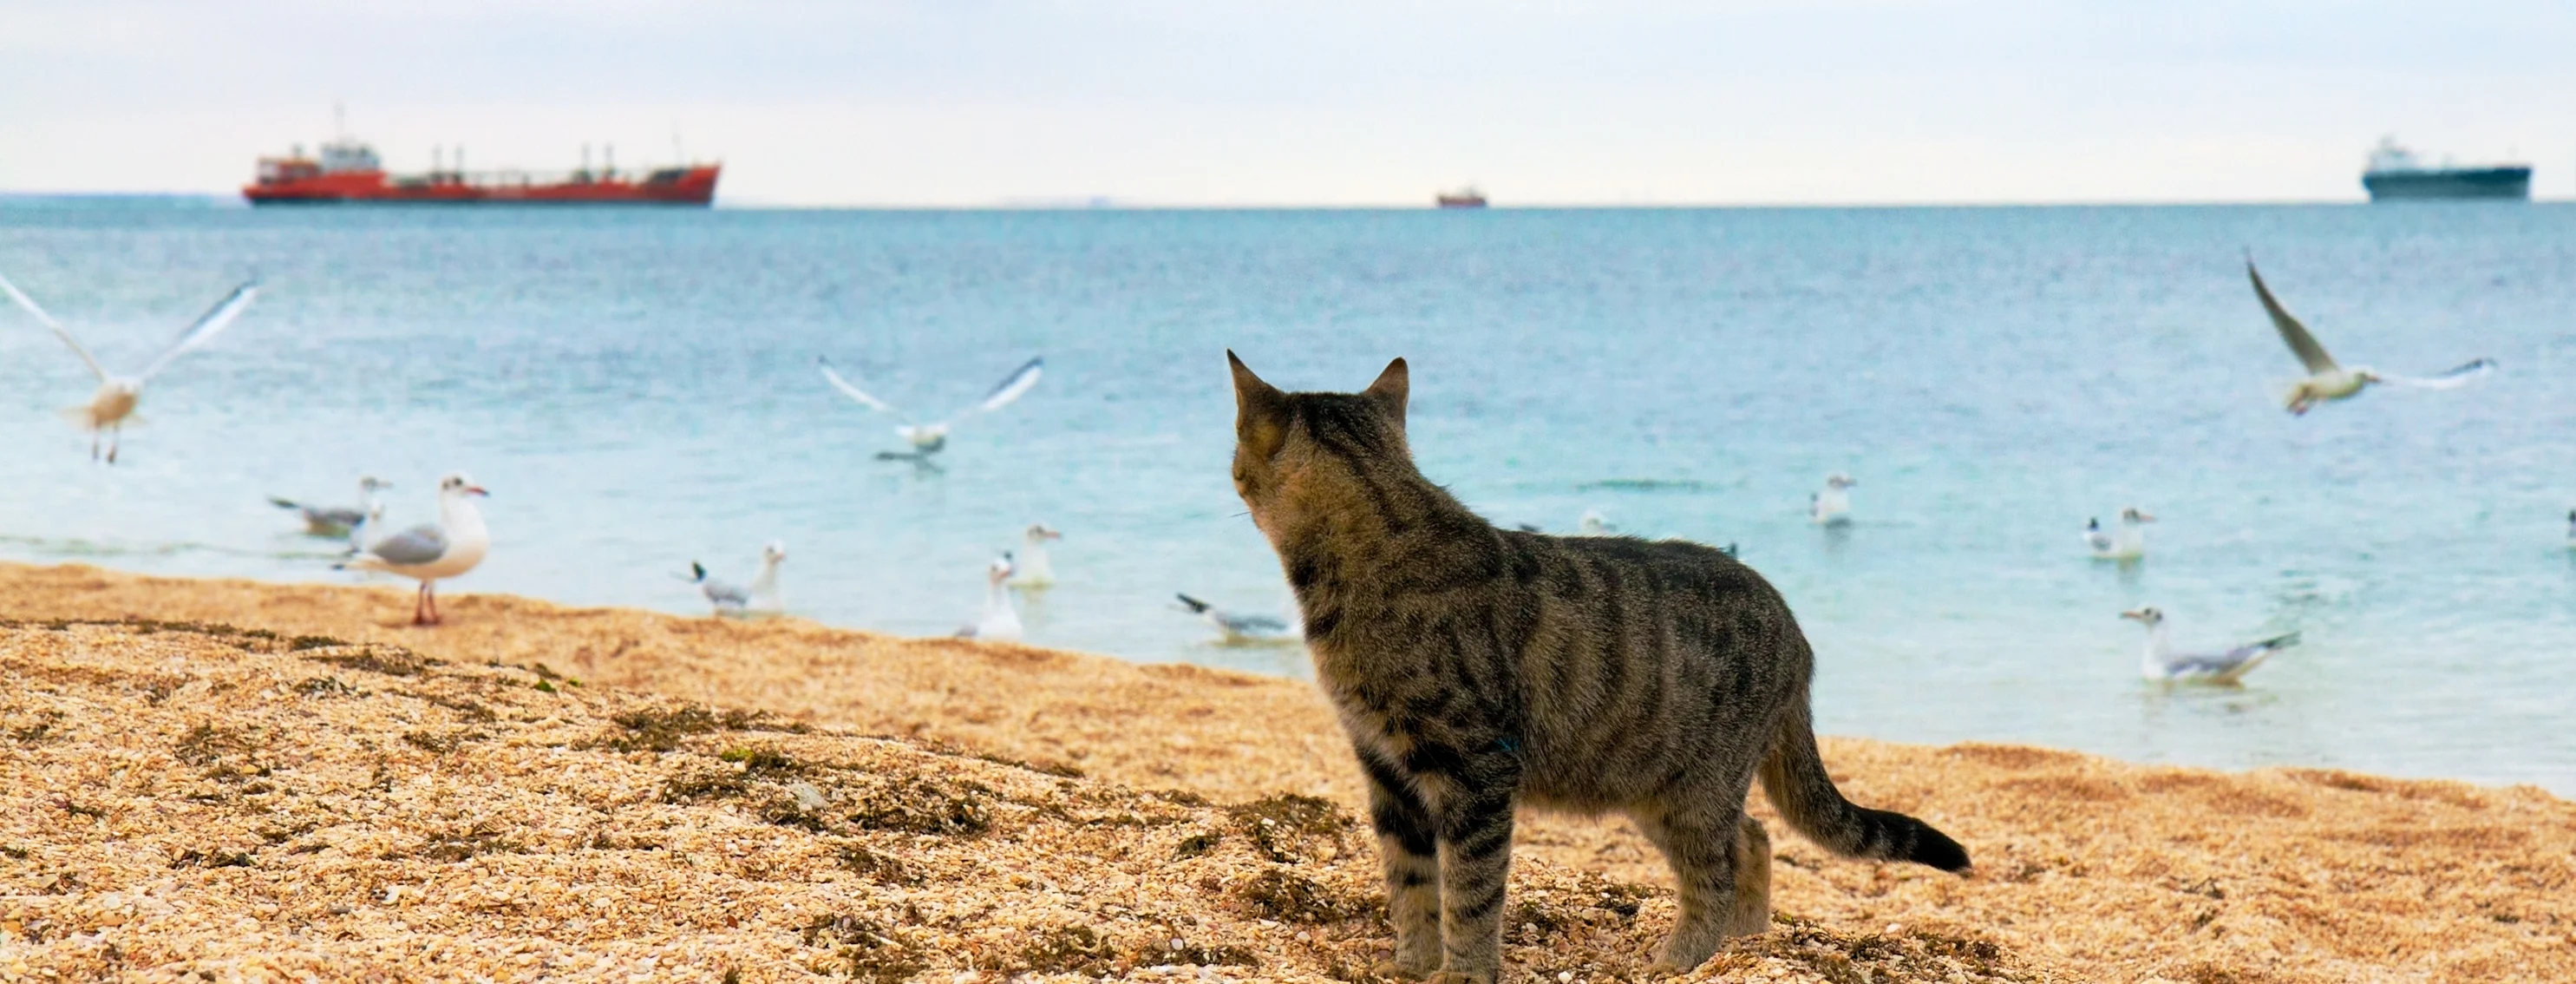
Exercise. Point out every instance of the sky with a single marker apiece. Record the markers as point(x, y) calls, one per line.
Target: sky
point(1314, 102)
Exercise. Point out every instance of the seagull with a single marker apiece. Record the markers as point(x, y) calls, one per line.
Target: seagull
point(1831, 507)
point(2327, 381)
point(113, 404)
point(2571, 529)
point(927, 439)
point(2162, 664)
point(337, 522)
point(732, 599)
point(1241, 628)
point(430, 553)
point(2130, 543)
point(1035, 571)
point(1594, 523)
point(999, 621)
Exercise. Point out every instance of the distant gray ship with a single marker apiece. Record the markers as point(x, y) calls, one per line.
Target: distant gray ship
point(2395, 175)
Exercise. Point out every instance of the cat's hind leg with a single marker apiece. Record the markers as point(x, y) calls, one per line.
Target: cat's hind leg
point(1703, 851)
point(1752, 914)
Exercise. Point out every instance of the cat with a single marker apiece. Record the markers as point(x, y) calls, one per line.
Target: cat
point(1476, 669)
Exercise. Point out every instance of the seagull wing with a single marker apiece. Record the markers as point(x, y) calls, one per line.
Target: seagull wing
point(1256, 624)
point(1013, 386)
point(411, 547)
point(853, 392)
point(48, 321)
point(2452, 379)
point(725, 594)
point(2233, 663)
point(215, 320)
point(2311, 354)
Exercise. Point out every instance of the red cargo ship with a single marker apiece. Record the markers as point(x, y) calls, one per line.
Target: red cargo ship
point(347, 171)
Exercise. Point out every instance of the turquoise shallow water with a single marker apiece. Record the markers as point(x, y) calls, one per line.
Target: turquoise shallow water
point(636, 389)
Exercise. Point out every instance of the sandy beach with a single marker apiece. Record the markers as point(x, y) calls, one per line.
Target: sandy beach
point(254, 781)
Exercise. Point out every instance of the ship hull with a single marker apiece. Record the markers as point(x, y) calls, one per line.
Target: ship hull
point(694, 186)
point(2489, 183)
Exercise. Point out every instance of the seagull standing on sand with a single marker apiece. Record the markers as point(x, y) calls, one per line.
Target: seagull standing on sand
point(732, 599)
point(1000, 622)
point(337, 522)
point(1594, 523)
point(2160, 663)
point(1241, 628)
point(2129, 543)
point(433, 552)
point(1036, 570)
point(113, 404)
point(2327, 381)
point(927, 439)
point(1832, 505)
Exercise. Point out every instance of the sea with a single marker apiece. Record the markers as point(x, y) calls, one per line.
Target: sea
point(637, 389)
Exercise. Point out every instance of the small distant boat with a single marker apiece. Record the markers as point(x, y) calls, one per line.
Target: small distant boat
point(1467, 197)
point(2395, 174)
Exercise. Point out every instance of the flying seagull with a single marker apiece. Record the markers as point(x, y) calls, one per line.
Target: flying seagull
point(2327, 381)
point(432, 552)
point(339, 521)
point(927, 439)
point(761, 598)
point(2161, 663)
point(114, 401)
point(1240, 628)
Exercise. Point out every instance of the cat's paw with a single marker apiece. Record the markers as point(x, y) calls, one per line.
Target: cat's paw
point(1458, 977)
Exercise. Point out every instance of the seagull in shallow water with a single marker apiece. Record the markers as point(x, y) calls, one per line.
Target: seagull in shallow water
point(928, 439)
point(1241, 628)
point(1035, 568)
point(2128, 543)
point(1000, 622)
point(338, 522)
point(433, 552)
point(2161, 663)
point(2327, 381)
point(761, 598)
point(113, 403)
point(1832, 505)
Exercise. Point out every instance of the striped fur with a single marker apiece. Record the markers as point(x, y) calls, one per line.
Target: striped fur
point(1476, 669)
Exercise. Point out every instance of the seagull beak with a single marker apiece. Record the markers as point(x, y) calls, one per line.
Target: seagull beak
point(476, 490)
point(2139, 614)
point(2146, 518)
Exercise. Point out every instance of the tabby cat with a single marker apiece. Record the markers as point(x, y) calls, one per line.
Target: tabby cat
point(1476, 669)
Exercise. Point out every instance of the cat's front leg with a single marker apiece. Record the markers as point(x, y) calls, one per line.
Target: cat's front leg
point(1474, 814)
point(1407, 844)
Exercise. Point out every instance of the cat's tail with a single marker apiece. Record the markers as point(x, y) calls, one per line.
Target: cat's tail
point(1794, 778)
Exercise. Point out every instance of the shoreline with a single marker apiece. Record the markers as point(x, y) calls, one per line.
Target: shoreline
point(2087, 868)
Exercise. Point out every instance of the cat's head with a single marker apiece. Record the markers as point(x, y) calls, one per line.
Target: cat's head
point(1302, 456)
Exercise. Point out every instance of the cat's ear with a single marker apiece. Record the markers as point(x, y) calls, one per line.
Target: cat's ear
point(1258, 407)
point(1390, 390)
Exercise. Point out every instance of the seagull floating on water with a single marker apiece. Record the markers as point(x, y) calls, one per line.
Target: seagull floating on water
point(2128, 543)
point(733, 599)
point(433, 552)
point(2571, 529)
point(338, 522)
point(928, 439)
point(1241, 628)
point(1832, 505)
point(1035, 569)
point(2327, 381)
point(1594, 523)
point(113, 404)
point(1000, 622)
point(2161, 663)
